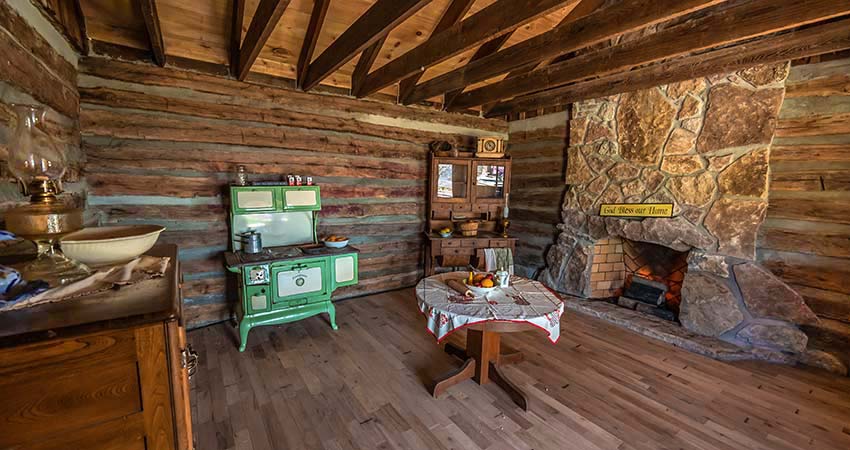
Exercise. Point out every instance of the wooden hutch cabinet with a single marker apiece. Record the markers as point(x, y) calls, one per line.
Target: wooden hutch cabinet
point(462, 189)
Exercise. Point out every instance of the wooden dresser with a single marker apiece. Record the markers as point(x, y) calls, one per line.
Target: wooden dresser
point(106, 371)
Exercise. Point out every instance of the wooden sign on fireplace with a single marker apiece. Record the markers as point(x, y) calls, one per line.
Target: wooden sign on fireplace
point(636, 210)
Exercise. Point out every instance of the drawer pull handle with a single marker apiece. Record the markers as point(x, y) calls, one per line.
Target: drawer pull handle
point(189, 360)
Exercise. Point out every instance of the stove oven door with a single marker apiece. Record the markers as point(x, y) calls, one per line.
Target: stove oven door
point(301, 282)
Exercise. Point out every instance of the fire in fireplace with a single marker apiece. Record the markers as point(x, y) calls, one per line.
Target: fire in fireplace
point(639, 275)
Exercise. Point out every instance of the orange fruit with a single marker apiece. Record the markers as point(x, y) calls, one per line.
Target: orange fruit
point(478, 278)
point(487, 283)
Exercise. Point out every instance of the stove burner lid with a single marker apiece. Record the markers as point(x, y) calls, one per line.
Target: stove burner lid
point(269, 254)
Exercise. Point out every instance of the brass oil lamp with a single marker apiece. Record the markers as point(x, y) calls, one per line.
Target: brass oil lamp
point(37, 162)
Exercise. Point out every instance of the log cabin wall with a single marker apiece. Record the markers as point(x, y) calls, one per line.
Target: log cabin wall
point(162, 144)
point(806, 237)
point(38, 68)
point(538, 150)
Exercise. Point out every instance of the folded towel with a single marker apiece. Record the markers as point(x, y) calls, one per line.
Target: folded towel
point(504, 259)
point(140, 269)
point(490, 260)
point(496, 259)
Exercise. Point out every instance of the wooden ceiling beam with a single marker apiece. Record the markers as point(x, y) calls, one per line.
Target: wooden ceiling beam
point(262, 24)
point(236, 34)
point(372, 26)
point(584, 8)
point(152, 25)
point(361, 70)
point(486, 49)
point(603, 24)
point(811, 40)
point(499, 18)
point(724, 26)
point(452, 15)
point(314, 30)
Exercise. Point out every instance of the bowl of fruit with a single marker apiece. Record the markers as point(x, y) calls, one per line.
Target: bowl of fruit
point(445, 232)
point(334, 241)
point(481, 283)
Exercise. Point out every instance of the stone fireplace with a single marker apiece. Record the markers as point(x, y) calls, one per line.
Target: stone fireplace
point(702, 145)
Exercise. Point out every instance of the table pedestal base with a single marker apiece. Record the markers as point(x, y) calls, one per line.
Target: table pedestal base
point(482, 359)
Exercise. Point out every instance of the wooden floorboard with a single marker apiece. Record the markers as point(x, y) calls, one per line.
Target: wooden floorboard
point(305, 386)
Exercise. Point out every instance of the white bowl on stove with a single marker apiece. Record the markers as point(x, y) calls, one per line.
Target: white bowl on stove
point(100, 246)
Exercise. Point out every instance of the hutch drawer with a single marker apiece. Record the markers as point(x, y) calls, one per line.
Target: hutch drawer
point(498, 243)
point(458, 251)
point(451, 243)
point(474, 243)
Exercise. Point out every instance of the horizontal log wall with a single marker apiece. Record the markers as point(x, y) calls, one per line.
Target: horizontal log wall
point(162, 145)
point(38, 68)
point(538, 149)
point(806, 236)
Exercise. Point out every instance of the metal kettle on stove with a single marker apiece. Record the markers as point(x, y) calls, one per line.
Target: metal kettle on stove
point(252, 241)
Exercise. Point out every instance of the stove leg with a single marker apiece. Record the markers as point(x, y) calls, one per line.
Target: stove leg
point(244, 328)
point(454, 377)
point(332, 315)
point(513, 392)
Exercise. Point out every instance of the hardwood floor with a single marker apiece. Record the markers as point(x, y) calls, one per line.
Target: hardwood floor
point(304, 386)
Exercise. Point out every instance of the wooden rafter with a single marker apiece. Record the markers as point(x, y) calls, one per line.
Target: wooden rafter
point(486, 49)
point(731, 24)
point(262, 24)
point(236, 34)
point(453, 14)
point(584, 8)
point(367, 58)
point(603, 24)
point(372, 26)
point(809, 41)
point(314, 29)
point(499, 18)
point(151, 18)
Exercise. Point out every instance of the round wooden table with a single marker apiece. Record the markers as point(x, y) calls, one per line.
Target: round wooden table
point(525, 305)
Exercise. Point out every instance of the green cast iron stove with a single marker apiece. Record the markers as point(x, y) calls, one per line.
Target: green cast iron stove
point(294, 276)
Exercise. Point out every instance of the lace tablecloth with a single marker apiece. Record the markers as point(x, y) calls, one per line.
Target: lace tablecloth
point(523, 301)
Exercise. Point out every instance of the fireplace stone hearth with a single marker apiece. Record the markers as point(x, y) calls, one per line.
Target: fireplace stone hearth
point(702, 145)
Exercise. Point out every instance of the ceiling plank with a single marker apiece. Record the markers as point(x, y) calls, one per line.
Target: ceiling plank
point(151, 18)
point(725, 26)
point(314, 29)
point(453, 14)
point(367, 58)
point(486, 49)
point(584, 8)
point(499, 18)
point(603, 24)
point(262, 24)
point(812, 40)
point(236, 34)
point(372, 26)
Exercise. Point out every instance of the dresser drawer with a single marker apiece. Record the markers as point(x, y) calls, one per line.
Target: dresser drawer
point(498, 243)
point(458, 251)
point(475, 243)
point(451, 243)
